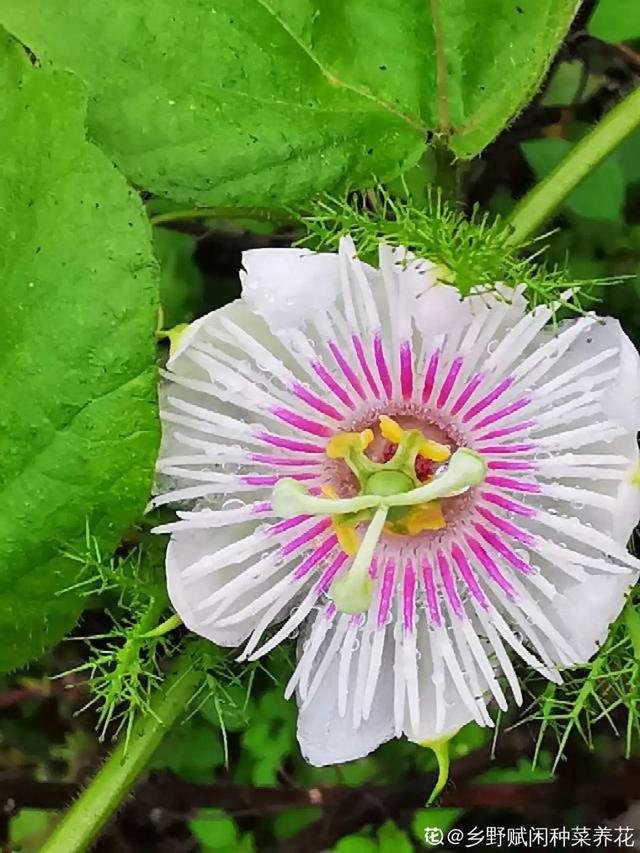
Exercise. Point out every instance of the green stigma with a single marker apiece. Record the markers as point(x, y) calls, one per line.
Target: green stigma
point(385, 483)
point(352, 592)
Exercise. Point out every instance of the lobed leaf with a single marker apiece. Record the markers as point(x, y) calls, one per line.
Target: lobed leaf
point(259, 102)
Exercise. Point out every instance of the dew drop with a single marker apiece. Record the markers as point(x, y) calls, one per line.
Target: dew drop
point(233, 503)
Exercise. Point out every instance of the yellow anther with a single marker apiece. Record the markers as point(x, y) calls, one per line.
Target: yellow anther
point(434, 451)
point(348, 538)
point(329, 492)
point(339, 444)
point(390, 429)
point(343, 441)
point(366, 437)
point(424, 517)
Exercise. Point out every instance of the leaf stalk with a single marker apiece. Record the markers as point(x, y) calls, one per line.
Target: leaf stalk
point(536, 207)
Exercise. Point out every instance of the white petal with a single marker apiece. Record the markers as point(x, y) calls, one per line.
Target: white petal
point(192, 333)
point(587, 609)
point(626, 511)
point(185, 549)
point(324, 735)
point(436, 687)
point(289, 286)
point(621, 400)
point(440, 309)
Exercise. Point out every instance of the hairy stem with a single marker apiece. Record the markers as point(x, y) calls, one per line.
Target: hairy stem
point(531, 211)
point(86, 817)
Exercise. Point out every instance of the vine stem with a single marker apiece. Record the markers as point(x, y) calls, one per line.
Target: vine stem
point(86, 817)
point(264, 214)
point(531, 211)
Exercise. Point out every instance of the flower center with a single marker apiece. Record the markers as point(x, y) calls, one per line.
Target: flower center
point(391, 496)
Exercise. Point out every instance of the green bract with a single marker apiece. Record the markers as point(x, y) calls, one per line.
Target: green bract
point(78, 421)
point(227, 102)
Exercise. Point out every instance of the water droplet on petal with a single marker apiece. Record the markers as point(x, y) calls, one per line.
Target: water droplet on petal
point(233, 503)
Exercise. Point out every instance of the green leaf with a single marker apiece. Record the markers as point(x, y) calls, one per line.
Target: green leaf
point(78, 421)
point(220, 102)
point(214, 829)
point(600, 196)
point(355, 844)
point(496, 53)
point(218, 833)
point(215, 102)
point(28, 829)
point(193, 751)
point(627, 157)
point(392, 839)
point(565, 84)
point(616, 20)
point(525, 771)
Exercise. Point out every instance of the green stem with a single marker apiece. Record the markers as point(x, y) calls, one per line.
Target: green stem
point(440, 749)
point(86, 817)
point(264, 214)
point(447, 172)
point(163, 628)
point(531, 211)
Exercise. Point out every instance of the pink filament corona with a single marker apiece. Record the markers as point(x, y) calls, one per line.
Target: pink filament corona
point(430, 377)
point(406, 371)
point(386, 591)
point(449, 382)
point(408, 596)
point(430, 594)
point(336, 389)
point(315, 402)
point(347, 370)
point(364, 364)
point(381, 364)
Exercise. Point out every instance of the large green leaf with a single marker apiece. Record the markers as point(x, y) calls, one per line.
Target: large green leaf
point(78, 418)
point(262, 101)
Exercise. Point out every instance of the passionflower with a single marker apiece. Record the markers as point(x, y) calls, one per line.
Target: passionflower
point(423, 485)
